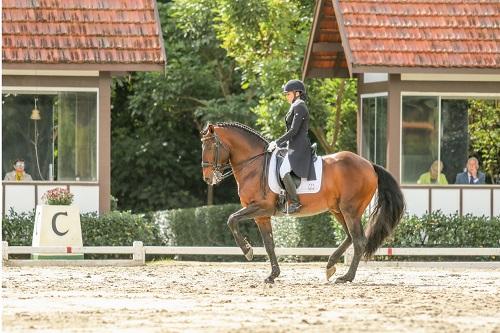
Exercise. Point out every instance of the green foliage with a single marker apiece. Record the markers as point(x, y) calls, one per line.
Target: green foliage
point(204, 226)
point(157, 117)
point(314, 231)
point(334, 131)
point(227, 61)
point(484, 129)
point(112, 229)
point(268, 45)
point(439, 230)
point(267, 40)
point(119, 229)
point(17, 228)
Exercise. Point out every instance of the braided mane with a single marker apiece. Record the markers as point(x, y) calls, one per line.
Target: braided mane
point(243, 127)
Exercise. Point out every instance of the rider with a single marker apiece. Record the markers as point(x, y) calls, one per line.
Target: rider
point(296, 140)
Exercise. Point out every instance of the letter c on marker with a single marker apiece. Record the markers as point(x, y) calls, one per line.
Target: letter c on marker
point(54, 226)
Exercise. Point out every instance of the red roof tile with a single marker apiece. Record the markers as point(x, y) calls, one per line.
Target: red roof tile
point(415, 33)
point(81, 32)
point(422, 33)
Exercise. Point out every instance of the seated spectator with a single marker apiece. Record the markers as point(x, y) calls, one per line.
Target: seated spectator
point(471, 175)
point(18, 174)
point(434, 176)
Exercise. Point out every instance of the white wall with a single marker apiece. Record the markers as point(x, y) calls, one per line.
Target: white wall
point(24, 197)
point(474, 201)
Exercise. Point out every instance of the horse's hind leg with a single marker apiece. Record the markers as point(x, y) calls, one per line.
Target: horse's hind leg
point(334, 258)
point(355, 228)
point(266, 231)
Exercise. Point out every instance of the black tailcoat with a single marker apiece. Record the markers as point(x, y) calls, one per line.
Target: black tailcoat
point(299, 145)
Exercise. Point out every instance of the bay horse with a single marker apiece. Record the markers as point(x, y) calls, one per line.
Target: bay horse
point(347, 187)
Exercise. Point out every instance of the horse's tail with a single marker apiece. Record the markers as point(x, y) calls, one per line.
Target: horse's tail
point(388, 210)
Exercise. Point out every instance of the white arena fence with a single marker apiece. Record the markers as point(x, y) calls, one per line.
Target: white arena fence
point(138, 252)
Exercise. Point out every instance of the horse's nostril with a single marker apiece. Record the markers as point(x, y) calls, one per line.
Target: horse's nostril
point(207, 180)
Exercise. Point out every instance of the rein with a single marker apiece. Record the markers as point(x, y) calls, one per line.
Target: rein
point(219, 168)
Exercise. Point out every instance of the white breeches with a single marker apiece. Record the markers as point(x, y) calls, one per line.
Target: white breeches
point(285, 167)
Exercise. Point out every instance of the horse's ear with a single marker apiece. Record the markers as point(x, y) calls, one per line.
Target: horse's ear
point(209, 128)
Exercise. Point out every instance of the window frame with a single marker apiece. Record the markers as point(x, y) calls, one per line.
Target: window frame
point(440, 96)
point(41, 90)
point(372, 95)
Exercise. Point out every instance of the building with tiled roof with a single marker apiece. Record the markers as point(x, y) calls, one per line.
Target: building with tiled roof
point(122, 35)
point(58, 60)
point(396, 36)
point(420, 66)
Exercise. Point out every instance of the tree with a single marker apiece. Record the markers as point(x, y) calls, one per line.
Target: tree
point(267, 39)
point(227, 61)
point(484, 127)
point(157, 117)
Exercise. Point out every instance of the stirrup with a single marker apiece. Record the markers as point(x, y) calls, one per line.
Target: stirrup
point(292, 208)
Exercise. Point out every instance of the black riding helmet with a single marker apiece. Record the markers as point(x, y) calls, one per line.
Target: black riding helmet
point(294, 85)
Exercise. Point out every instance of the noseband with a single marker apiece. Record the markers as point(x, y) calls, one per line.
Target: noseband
point(219, 168)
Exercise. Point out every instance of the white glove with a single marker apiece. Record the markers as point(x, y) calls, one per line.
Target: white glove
point(272, 146)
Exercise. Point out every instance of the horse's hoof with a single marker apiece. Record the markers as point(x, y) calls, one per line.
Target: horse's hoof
point(269, 280)
point(249, 254)
point(343, 280)
point(329, 272)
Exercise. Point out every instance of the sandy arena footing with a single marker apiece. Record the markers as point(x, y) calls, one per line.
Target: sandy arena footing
point(231, 297)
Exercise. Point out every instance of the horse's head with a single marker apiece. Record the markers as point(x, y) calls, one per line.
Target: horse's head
point(214, 156)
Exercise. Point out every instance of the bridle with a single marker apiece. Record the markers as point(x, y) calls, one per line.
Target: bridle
point(221, 170)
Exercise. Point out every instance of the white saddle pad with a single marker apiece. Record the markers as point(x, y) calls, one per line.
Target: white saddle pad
point(306, 186)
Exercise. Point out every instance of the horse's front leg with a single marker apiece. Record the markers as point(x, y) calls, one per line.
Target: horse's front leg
point(266, 231)
point(245, 213)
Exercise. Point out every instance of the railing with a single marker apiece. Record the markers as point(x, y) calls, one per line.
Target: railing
point(139, 251)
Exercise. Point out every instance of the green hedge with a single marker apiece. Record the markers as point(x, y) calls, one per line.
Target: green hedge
point(313, 231)
point(17, 228)
point(204, 226)
point(119, 229)
point(112, 229)
point(207, 226)
point(439, 230)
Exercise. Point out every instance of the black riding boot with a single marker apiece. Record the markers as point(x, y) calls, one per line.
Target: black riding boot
point(292, 193)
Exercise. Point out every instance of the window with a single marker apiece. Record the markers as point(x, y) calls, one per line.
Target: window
point(374, 125)
point(420, 135)
point(439, 128)
point(55, 132)
point(454, 145)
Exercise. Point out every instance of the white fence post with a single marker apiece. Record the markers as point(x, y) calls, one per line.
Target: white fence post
point(5, 250)
point(139, 254)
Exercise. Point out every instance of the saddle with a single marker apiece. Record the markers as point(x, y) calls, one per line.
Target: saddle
point(280, 156)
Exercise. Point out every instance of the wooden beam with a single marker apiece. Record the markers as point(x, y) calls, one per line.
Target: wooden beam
point(327, 73)
point(327, 47)
point(338, 62)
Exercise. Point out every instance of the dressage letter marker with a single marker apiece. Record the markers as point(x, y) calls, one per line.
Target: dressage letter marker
point(57, 226)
